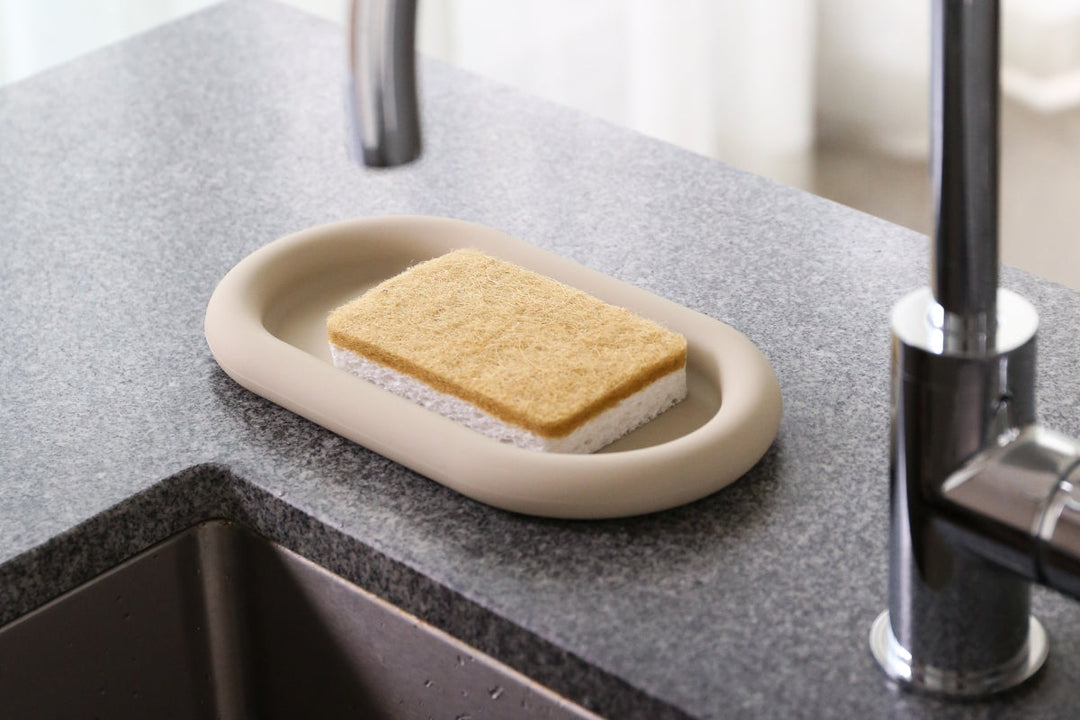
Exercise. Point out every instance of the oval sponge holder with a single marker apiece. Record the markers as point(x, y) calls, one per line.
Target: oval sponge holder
point(266, 327)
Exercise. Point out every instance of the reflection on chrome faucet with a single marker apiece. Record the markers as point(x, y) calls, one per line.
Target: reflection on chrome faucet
point(983, 502)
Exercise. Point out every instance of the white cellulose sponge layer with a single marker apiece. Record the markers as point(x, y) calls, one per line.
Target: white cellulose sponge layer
point(605, 428)
point(509, 353)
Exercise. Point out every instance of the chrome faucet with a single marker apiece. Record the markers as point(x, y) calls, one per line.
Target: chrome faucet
point(983, 502)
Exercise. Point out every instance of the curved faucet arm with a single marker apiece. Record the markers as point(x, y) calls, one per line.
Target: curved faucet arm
point(383, 110)
point(1059, 535)
point(1018, 505)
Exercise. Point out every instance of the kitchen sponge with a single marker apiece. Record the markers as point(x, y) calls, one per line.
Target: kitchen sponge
point(510, 353)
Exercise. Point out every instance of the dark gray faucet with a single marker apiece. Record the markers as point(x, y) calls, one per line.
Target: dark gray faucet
point(983, 501)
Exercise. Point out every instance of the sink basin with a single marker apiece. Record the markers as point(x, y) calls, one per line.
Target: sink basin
point(219, 622)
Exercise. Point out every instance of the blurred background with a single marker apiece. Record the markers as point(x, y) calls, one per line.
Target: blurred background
point(827, 95)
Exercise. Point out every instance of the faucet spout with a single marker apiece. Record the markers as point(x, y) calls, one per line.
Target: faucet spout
point(1059, 536)
point(383, 109)
point(1015, 504)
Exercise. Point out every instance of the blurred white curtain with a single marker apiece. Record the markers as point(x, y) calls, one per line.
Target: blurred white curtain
point(874, 67)
point(727, 78)
point(1041, 53)
point(873, 74)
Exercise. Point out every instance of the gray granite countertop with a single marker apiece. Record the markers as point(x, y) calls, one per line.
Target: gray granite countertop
point(133, 179)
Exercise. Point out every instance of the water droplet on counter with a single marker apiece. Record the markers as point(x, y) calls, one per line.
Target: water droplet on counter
point(428, 683)
point(496, 692)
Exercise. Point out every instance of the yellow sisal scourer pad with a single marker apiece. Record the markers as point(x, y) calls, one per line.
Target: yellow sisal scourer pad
point(525, 349)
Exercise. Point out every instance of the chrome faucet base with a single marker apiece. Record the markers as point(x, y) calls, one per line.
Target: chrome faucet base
point(898, 665)
point(957, 616)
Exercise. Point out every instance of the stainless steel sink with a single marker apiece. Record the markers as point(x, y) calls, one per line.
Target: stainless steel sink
point(221, 623)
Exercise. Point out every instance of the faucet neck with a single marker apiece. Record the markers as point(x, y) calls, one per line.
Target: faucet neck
point(964, 163)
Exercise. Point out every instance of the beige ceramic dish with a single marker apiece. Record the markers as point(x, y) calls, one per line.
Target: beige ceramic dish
point(266, 327)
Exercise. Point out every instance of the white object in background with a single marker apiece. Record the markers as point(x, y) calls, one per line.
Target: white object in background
point(729, 79)
point(725, 78)
point(1041, 53)
point(570, 51)
point(874, 67)
point(874, 75)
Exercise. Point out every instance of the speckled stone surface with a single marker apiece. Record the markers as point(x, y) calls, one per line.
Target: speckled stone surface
point(133, 179)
